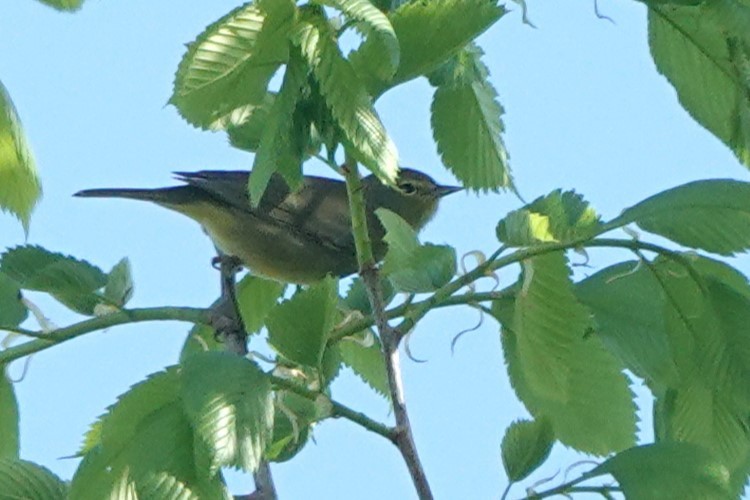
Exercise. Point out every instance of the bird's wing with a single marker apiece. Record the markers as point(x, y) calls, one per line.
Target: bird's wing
point(318, 211)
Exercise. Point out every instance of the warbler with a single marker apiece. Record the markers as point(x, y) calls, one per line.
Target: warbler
point(291, 236)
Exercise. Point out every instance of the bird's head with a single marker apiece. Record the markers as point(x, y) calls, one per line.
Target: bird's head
point(415, 196)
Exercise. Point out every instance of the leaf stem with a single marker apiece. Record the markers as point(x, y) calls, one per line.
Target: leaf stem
point(337, 409)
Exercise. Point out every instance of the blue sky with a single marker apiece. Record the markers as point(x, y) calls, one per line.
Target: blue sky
point(585, 109)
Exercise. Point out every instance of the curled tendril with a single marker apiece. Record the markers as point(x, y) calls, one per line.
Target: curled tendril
point(407, 349)
point(46, 326)
point(531, 490)
point(600, 15)
point(577, 464)
point(635, 269)
point(586, 258)
point(467, 330)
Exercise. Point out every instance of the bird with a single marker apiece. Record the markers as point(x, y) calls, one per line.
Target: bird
point(293, 236)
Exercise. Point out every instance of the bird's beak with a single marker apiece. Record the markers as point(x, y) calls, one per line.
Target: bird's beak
point(446, 190)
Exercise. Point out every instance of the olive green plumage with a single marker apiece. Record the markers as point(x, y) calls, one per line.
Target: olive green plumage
point(293, 236)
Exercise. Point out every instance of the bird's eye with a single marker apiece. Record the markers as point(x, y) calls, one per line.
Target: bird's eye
point(407, 188)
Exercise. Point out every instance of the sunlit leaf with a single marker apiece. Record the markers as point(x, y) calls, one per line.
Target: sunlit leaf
point(346, 97)
point(429, 33)
point(559, 216)
point(385, 51)
point(231, 63)
point(229, 403)
point(466, 122)
point(20, 188)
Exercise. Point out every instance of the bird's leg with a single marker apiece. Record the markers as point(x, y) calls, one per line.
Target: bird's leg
point(227, 321)
point(225, 314)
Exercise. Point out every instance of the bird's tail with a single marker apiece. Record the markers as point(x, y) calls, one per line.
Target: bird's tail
point(173, 195)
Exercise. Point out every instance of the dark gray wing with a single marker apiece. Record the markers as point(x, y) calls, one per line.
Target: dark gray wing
point(318, 211)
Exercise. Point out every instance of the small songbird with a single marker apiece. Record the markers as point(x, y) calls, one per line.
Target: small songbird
point(291, 236)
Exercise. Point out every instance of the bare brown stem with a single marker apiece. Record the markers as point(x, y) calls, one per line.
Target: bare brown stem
point(403, 437)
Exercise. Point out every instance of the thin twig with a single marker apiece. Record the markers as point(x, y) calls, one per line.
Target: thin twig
point(390, 338)
point(124, 316)
point(337, 409)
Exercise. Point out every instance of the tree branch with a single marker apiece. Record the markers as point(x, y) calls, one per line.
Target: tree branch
point(403, 437)
point(121, 317)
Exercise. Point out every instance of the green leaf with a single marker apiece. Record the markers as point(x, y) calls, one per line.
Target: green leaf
point(557, 368)
point(429, 33)
point(94, 479)
point(526, 445)
point(71, 281)
point(246, 124)
point(64, 5)
point(165, 458)
point(20, 188)
point(282, 143)
point(628, 304)
point(144, 443)
point(346, 97)
point(200, 339)
point(120, 425)
point(20, 479)
point(8, 417)
point(119, 288)
point(12, 310)
point(466, 123)
point(713, 215)
point(559, 216)
point(363, 354)
point(256, 297)
point(165, 486)
point(356, 297)
point(522, 228)
point(292, 425)
point(412, 267)
point(385, 52)
point(667, 471)
point(229, 403)
point(298, 328)
point(707, 417)
point(231, 63)
point(704, 52)
point(708, 324)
